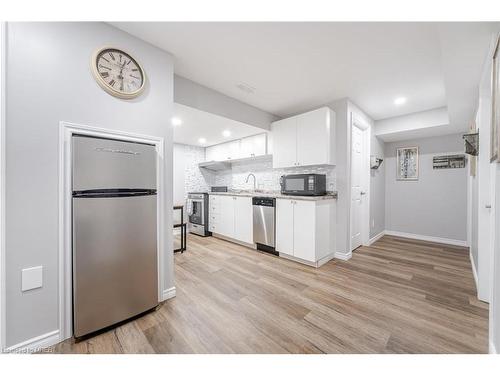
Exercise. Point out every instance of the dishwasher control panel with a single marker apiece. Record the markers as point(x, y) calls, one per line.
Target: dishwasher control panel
point(263, 201)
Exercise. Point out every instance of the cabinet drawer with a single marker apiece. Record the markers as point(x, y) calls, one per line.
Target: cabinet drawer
point(213, 218)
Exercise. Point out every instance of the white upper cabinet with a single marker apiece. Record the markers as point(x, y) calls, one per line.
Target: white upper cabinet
point(241, 148)
point(285, 143)
point(211, 153)
point(304, 140)
point(253, 146)
point(233, 151)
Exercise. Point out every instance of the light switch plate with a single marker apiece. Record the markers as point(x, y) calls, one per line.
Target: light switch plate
point(31, 278)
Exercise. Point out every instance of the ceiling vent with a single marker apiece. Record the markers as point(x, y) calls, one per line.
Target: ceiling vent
point(245, 88)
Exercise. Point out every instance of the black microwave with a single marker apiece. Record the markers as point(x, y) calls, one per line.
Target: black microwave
point(303, 184)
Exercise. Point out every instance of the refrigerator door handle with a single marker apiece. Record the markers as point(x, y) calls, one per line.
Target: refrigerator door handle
point(112, 193)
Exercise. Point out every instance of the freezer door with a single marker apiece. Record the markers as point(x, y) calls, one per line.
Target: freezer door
point(103, 163)
point(115, 272)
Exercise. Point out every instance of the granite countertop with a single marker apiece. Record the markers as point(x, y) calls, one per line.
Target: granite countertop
point(276, 194)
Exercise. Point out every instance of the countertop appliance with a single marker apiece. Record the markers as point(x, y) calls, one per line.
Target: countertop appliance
point(115, 274)
point(303, 184)
point(264, 223)
point(197, 210)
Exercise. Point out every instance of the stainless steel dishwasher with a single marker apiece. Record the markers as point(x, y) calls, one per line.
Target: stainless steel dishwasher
point(264, 224)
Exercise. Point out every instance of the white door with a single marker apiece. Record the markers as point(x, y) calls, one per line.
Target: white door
point(285, 143)
point(304, 230)
point(356, 187)
point(243, 219)
point(312, 138)
point(226, 216)
point(284, 226)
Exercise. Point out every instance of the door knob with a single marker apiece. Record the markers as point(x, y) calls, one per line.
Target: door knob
point(363, 193)
point(487, 206)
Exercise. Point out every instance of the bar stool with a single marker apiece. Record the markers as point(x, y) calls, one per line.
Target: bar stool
point(183, 227)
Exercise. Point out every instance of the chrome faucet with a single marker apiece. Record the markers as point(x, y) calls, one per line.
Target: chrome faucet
point(254, 180)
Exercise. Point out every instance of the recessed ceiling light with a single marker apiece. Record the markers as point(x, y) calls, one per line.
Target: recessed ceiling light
point(226, 133)
point(400, 100)
point(202, 140)
point(176, 121)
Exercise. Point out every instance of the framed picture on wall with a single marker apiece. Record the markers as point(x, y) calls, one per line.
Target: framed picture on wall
point(407, 163)
point(495, 106)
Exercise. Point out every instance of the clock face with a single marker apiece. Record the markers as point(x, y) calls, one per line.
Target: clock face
point(118, 73)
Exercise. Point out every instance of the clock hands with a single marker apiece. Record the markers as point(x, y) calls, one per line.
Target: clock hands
point(120, 76)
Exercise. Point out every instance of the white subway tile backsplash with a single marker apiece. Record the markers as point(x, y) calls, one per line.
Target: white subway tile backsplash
point(267, 177)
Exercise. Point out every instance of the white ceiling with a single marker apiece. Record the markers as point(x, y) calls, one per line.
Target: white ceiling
point(298, 66)
point(198, 124)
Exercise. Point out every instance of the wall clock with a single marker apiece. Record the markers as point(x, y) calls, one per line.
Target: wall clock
point(118, 73)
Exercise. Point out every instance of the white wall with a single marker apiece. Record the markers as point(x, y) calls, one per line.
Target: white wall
point(203, 98)
point(187, 176)
point(434, 122)
point(436, 204)
point(49, 81)
point(377, 189)
point(345, 110)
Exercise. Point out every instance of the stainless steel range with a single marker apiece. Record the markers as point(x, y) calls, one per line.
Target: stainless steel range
point(197, 209)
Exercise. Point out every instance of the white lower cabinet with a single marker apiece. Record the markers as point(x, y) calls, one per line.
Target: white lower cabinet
point(231, 217)
point(243, 219)
point(305, 230)
point(284, 226)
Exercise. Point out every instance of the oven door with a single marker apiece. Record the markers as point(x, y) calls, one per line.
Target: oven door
point(197, 212)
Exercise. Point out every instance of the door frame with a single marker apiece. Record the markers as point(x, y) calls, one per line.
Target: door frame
point(66, 131)
point(361, 124)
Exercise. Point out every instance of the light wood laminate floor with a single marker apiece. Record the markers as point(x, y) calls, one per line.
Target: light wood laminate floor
point(396, 296)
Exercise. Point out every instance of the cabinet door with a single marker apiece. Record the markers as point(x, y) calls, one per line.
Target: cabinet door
point(225, 222)
point(313, 138)
point(243, 219)
point(211, 153)
point(284, 226)
point(253, 146)
point(285, 143)
point(233, 150)
point(304, 230)
point(217, 152)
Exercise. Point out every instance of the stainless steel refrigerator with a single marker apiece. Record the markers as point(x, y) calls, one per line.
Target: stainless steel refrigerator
point(115, 273)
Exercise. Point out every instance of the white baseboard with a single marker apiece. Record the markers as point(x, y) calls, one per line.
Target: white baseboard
point(325, 260)
point(474, 271)
point(448, 241)
point(167, 294)
point(492, 348)
point(343, 256)
point(35, 344)
point(376, 238)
